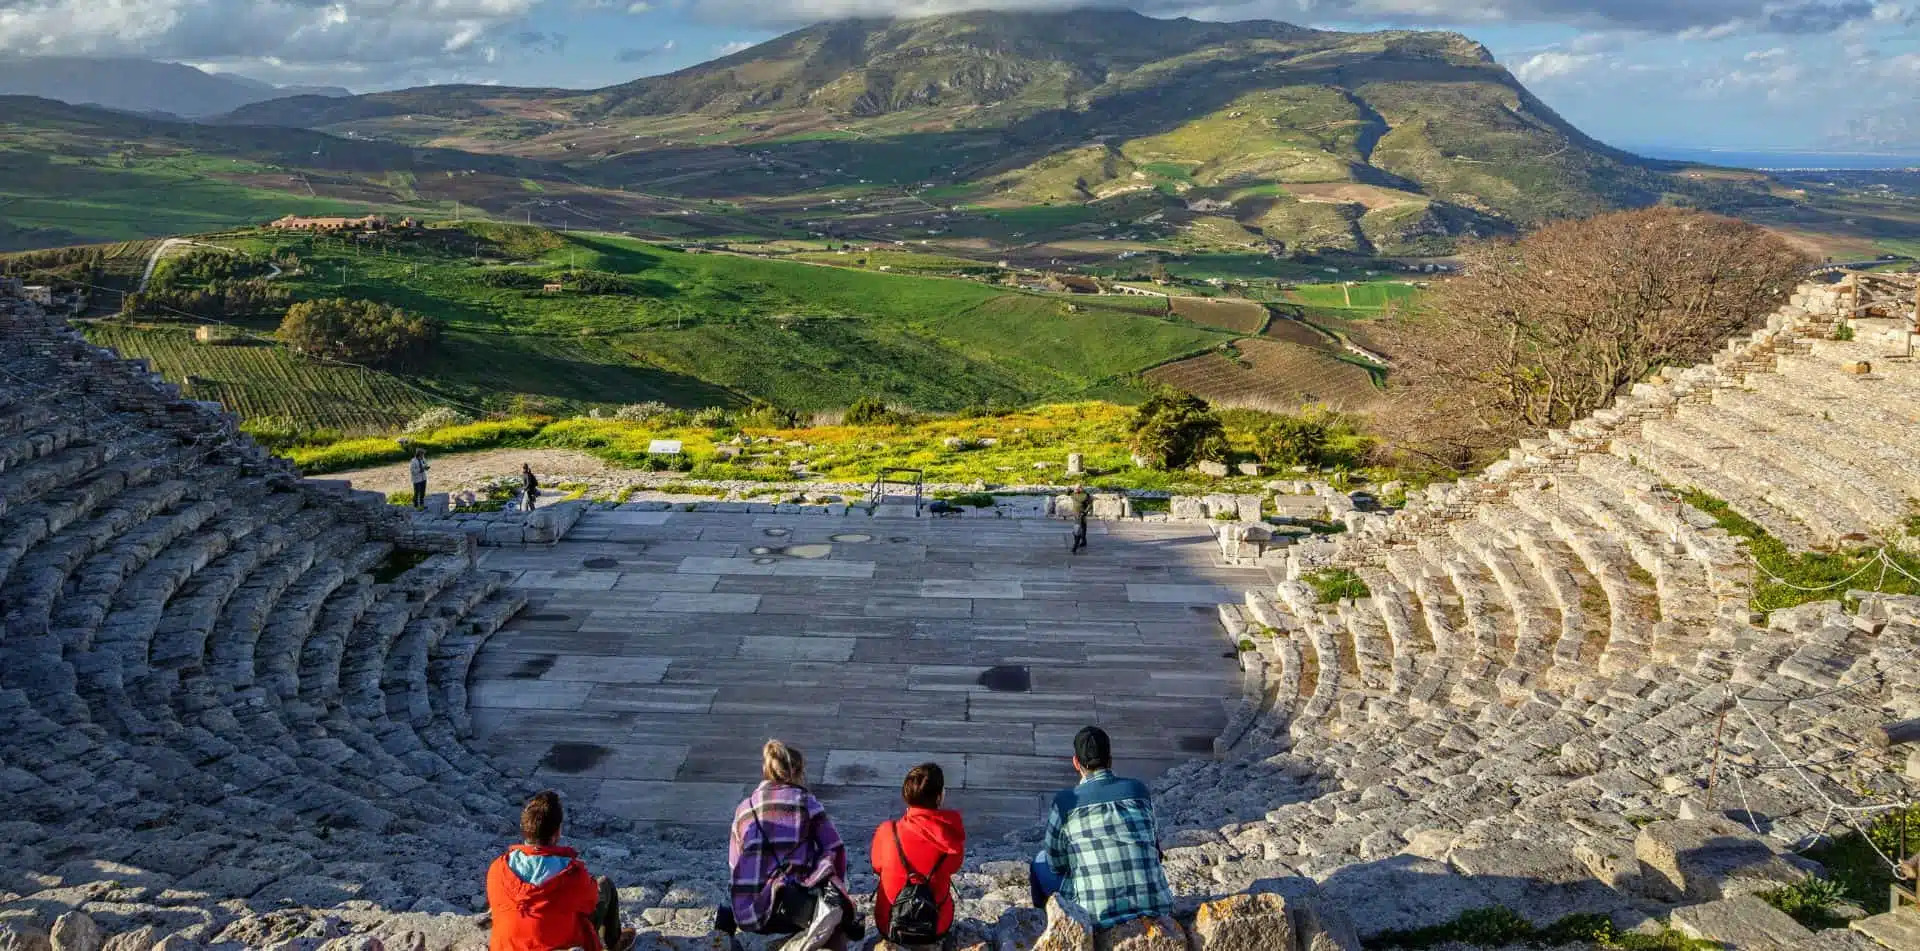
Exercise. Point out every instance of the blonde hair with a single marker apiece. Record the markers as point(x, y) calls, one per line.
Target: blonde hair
point(780, 763)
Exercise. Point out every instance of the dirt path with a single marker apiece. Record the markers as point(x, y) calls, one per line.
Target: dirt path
point(467, 470)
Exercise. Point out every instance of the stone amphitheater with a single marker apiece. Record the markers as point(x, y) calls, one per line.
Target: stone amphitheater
point(236, 703)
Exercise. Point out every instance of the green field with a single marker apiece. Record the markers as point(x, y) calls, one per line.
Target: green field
point(1369, 296)
point(689, 329)
point(43, 195)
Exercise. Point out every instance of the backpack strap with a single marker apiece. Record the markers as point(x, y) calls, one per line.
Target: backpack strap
point(783, 862)
point(912, 873)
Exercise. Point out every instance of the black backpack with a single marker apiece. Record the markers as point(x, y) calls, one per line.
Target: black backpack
point(915, 918)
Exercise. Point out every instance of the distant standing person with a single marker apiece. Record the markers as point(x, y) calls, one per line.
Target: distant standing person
point(529, 486)
point(1083, 504)
point(418, 470)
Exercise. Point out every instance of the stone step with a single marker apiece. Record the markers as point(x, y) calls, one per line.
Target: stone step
point(1897, 930)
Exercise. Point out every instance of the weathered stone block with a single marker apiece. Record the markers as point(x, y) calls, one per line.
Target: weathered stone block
point(1069, 928)
point(74, 931)
point(1217, 470)
point(1143, 934)
point(1187, 508)
point(1745, 922)
point(1243, 923)
point(1319, 927)
point(1706, 859)
point(1076, 464)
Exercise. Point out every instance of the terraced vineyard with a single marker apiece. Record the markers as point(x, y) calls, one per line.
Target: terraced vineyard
point(260, 379)
point(1239, 316)
point(1272, 375)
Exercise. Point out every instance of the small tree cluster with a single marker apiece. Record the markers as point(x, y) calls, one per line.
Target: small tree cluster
point(1174, 430)
point(869, 411)
point(216, 300)
point(356, 331)
point(1544, 330)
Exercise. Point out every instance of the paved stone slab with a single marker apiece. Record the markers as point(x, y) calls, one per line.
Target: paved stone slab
point(884, 768)
point(646, 683)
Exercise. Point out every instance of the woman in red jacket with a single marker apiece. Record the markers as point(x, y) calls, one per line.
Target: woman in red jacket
point(925, 846)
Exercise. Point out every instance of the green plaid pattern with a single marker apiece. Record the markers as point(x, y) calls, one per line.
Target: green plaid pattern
point(1104, 844)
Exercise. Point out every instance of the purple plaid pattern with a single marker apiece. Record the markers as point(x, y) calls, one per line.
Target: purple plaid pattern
point(794, 833)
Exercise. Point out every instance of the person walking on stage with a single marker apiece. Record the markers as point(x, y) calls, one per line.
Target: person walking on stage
point(418, 470)
point(529, 486)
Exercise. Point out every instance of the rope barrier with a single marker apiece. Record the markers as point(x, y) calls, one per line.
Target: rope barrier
point(1847, 813)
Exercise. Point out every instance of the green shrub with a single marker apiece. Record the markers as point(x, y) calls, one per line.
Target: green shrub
point(1294, 441)
point(869, 411)
point(1810, 901)
point(1174, 430)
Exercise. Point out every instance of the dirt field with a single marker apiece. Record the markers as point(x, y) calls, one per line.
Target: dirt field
point(1273, 376)
point(465, 471)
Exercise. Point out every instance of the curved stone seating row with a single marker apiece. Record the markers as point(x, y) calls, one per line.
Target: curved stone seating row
point(1548, 649)
point(220, 683)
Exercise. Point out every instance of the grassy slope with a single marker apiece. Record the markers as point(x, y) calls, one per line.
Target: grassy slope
point(708, 329)
point(55, 199)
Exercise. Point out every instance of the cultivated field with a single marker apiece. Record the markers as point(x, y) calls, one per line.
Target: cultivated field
point(638, 322)
point(1273, 376)
point(259, 379)
point(1239, 316)
point(1368, 296)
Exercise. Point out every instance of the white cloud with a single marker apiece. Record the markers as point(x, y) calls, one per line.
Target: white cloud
point(1700, 19)
point(389, 37)
point(737, 46)
point(1553, 64)
point(1762, 55)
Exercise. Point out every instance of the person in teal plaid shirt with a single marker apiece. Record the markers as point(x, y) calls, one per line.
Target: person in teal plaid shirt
point(1103, 848)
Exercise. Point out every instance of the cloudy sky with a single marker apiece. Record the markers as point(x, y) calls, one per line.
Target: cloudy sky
point(1726, 73)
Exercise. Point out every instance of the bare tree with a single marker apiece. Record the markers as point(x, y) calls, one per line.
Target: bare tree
point(1544, 330)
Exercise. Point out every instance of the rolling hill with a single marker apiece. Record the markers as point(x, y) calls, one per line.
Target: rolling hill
point(1070, 137)
point(1393, 142)
point(637, 322)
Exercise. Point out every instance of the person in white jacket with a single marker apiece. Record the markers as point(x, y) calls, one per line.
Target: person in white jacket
point(418, 469)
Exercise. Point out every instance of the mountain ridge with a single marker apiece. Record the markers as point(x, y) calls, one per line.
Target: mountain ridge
point(141, 86)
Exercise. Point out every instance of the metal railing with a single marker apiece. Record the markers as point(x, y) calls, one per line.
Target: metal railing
point(918, 481)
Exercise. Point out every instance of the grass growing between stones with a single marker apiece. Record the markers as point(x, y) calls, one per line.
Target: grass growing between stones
point(1855, 869)
point(1789, 578)
point(1332, 585)
point(1495, 927)
point(1810, 901)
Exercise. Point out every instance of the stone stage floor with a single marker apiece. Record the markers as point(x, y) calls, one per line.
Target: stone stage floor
point(661, 649)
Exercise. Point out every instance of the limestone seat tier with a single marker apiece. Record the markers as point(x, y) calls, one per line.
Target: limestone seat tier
point(243, 709)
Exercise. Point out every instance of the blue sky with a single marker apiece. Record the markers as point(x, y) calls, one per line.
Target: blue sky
point(1727, 73)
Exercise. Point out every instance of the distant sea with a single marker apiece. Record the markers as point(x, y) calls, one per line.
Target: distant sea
point(1781, 159)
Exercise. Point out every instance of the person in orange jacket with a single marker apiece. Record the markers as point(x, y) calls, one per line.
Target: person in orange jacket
point(927, 845)
point(542, 896)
